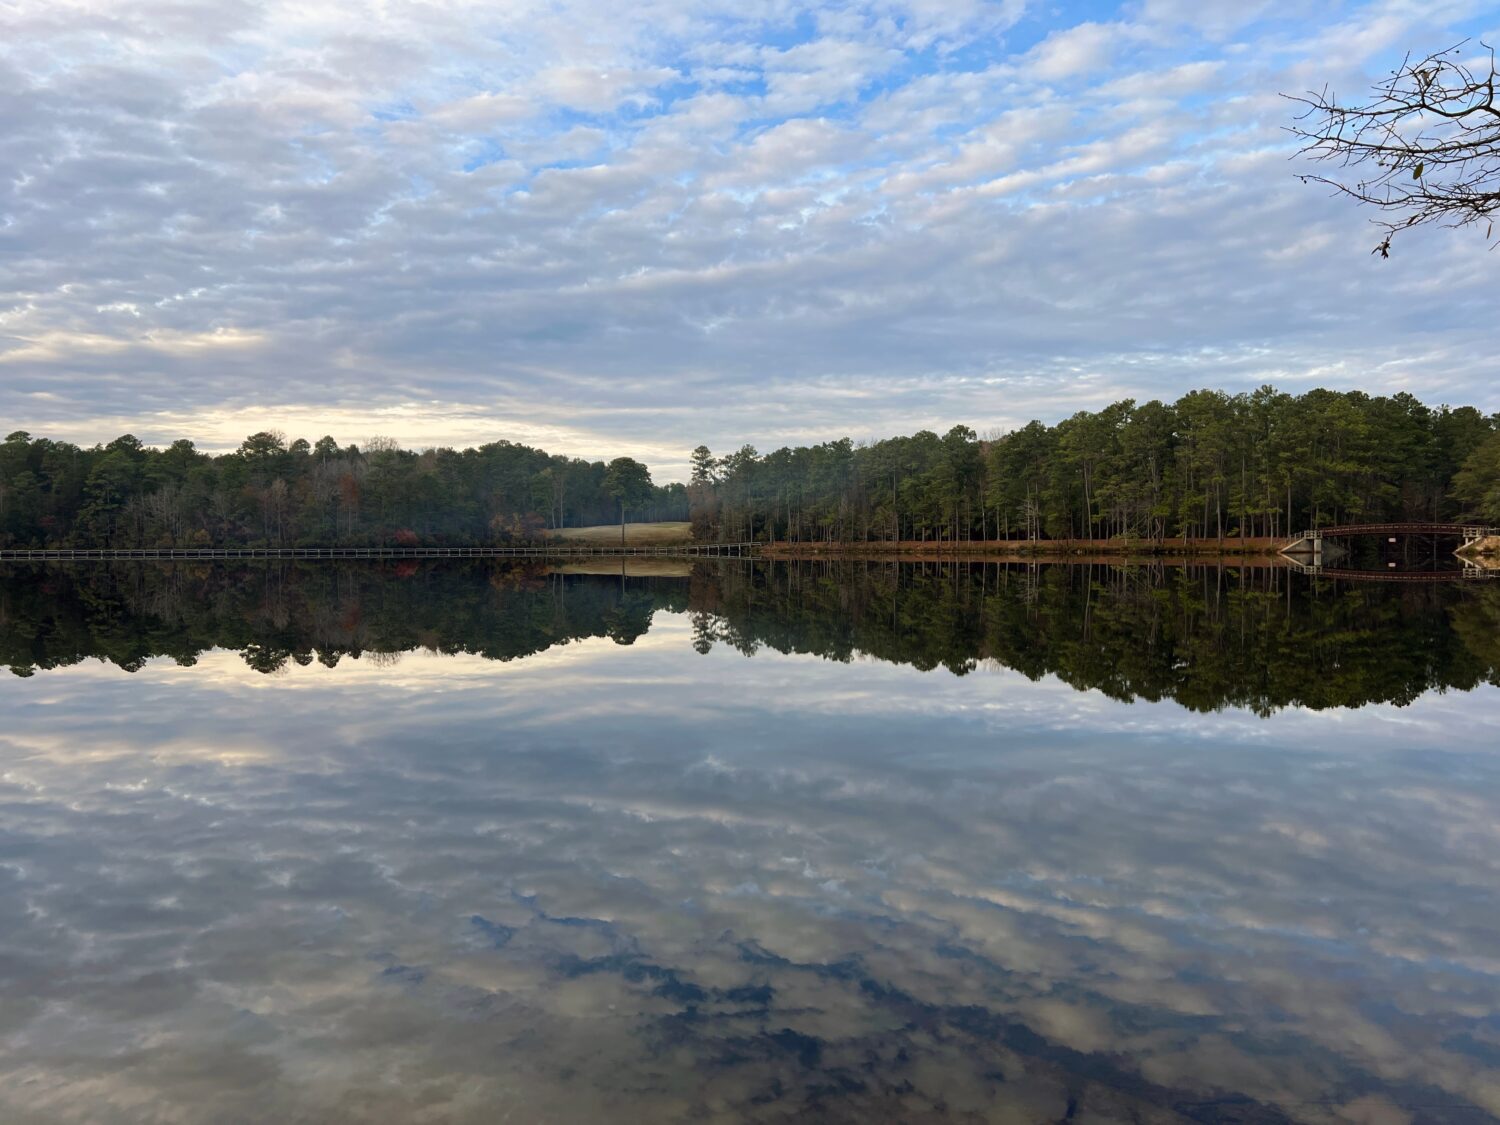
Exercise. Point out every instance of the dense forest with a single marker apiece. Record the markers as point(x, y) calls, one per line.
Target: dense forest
point(1207, 637)
point(1210, 465)
point(272, 492)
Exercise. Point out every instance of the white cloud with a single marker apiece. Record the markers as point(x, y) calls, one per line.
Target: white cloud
point(600, 90)
point(1077, 50)
point(1221, 17)
point(483, 111)
point(689, 222)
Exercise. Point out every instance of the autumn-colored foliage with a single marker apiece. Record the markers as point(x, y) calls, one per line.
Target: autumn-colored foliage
point(517, 527)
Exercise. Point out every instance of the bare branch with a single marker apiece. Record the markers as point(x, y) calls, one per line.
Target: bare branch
point(1429, 137)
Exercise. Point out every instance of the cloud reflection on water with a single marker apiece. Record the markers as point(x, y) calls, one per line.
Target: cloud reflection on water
point(609, 881)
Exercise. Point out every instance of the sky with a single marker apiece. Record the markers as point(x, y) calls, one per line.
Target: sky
point(627, 228)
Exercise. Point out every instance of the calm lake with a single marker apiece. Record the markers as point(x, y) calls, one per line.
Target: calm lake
point(747, 842)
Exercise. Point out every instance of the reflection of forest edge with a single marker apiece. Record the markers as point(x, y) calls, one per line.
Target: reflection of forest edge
point(1207, 637)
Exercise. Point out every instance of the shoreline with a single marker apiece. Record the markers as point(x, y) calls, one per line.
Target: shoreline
point(1257, 549)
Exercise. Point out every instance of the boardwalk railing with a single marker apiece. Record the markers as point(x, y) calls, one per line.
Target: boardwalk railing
point(547, 551)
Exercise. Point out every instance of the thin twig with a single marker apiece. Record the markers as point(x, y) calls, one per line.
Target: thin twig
point(1431, 132)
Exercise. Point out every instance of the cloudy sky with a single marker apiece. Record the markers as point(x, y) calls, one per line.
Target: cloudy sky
point(630, 227)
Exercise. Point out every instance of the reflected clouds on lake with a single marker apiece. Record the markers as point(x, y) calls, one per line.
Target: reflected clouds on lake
point(634, 881)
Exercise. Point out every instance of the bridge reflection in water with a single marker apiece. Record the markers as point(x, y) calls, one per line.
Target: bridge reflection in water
point(1305, 550)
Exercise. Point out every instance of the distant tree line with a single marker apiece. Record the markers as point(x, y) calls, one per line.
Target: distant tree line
point(273, 492)
point(1210, 465)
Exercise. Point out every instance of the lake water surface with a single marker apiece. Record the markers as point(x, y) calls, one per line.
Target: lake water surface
point(747, 843)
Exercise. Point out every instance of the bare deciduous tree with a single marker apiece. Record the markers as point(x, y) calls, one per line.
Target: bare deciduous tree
point(1425, 146)
point(378, 443)
point(167, 511)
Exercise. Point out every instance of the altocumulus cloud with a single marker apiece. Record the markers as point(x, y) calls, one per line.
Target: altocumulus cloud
point(630, 227)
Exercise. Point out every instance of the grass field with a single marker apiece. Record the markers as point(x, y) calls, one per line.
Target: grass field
point(636, 534)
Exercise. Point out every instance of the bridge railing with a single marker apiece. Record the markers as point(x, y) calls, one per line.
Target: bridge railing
point(1353, 529)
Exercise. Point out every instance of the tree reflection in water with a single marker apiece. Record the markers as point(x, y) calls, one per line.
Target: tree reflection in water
point(1207, 637)
point(474, 870)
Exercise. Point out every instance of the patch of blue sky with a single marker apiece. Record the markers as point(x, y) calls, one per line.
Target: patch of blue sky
point(913, 65)
point(752, 85)
point(1041, 21)
point(655, 102)
point(1068, 13)
point(751, 127)
point(1202, 105)
point(715, 33)
point(419, 187)
point(1475, 32)
point(394, 111)
point(844, 107)
point(976, 55)
point(780, 35)
point(563, 164)
point(561, 118)
point(480, 152)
